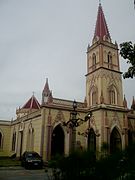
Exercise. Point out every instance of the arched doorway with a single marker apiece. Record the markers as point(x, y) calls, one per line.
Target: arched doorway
point(57, 143)
point(115, 141)
point(92, 141)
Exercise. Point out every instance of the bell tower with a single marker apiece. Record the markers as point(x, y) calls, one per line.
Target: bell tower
point(103, 78)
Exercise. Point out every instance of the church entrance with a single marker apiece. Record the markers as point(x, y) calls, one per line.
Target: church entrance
point(57, 144)
point(115, 141)
point(92, 141)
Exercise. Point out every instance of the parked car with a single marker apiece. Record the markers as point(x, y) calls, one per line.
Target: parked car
point(31, 159)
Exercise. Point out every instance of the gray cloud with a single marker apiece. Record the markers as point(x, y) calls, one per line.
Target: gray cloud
point(45, 38)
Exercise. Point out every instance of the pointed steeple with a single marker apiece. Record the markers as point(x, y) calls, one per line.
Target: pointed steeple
point(46, 89)
point(50, 97)
point(133, 104)
point(46, 94)
point(125, 102)
point(85, 102)
point(101, 29)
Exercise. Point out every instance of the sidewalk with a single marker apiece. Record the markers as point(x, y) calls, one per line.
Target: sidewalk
point(11, 168)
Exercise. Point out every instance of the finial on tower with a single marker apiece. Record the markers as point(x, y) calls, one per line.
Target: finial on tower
point(99, 2)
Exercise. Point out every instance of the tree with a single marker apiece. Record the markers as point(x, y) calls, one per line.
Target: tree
point(127, 51)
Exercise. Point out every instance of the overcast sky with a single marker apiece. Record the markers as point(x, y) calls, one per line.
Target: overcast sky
point(42, 39)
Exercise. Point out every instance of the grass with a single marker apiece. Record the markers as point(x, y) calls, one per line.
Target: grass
point(6, 162)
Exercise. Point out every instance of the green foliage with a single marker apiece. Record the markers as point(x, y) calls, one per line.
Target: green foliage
point(78, 165)
point(84, 165)
point(104, 149)
point(127, 51)
point(108, 168)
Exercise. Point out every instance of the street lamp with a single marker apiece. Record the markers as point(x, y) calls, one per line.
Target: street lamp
point(74, 122)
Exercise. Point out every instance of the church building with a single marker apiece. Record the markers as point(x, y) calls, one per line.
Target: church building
point(44, 128)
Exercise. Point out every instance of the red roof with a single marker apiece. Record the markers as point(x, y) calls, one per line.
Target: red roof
point(101, 28)
point(32, 103)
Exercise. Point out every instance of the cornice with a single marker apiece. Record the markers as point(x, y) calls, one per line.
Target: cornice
point(105, 69)
point(65, 108)
point(109, 107)
point(104, 43)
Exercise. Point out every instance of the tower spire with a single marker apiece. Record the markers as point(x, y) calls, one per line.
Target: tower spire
point(101, 29)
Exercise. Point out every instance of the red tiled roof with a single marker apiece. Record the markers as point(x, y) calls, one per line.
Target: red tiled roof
point(32, 103)
point(101, 28)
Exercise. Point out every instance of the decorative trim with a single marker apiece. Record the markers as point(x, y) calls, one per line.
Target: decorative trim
point(59, 117)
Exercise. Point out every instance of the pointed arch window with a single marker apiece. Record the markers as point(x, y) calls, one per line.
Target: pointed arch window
point(113, 95)
point(13, 141)
point(94, 61)
point(1, 140)
point(112, 99)
point(109, 60)
point(115, 141)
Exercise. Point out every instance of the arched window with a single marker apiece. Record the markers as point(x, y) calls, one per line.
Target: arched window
point(112, 97)
point(109, 60)
point(94, 61)
point(13, 141)
point(92, 141)
point(1, 140)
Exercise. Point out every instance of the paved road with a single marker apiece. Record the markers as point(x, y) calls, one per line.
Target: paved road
point(23, 174)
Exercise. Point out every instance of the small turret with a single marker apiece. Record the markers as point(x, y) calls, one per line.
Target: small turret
point(133, 104)
point(125, 102)
point(85, 102)
point(46, 94)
